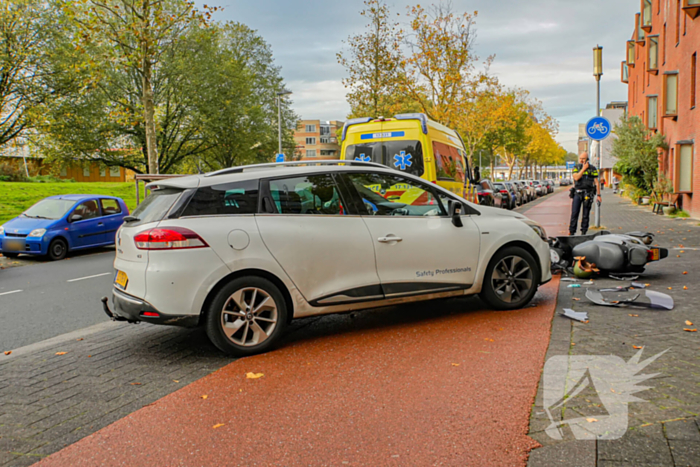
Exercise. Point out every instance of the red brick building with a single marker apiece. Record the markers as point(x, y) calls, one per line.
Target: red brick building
point(661, 74)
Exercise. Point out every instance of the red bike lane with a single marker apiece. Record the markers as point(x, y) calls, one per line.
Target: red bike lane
point(456, 389)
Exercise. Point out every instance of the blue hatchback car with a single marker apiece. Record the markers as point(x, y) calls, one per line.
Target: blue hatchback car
point(59, 224)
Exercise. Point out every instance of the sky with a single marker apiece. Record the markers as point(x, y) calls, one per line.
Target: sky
point(544, 46)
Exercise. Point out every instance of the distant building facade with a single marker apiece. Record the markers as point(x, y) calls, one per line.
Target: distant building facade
point(317, 139)
point(661, 76)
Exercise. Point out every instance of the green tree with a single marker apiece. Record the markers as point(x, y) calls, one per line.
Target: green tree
point(133, 35)
point(636, 150)
point(233, 96)
point(373, 63)
point(23, 36)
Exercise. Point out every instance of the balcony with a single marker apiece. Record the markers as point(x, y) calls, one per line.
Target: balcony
point(691, 8)
point(625, 73)
point(646, 15)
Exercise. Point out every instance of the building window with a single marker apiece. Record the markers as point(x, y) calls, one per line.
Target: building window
point(114, 172)
point(693, 77)
point(86, 171)
point(325, 141)
point(325, 130)
point(646, 15)
point(311, 128)
point(638, 29)
point(671, 95)
point(310, 153)
point(327, 153)
point(625, 73)
point(103, 171)
point(64, 172)
point(310, 140)
point(678, 22)
point(653, 58)
point(663, 51)
point(652, 109)
point(685, 168)
point(630, 53)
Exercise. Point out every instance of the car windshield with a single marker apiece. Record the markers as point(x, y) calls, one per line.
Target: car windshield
point(499, 186)
point(49, 209)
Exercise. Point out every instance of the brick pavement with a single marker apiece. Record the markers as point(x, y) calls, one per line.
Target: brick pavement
point(664, 431)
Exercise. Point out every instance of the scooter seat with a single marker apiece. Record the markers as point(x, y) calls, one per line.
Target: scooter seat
point(606, 256)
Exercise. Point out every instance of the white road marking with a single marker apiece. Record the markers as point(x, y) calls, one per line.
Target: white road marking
point(8, 293)
point(89, 277)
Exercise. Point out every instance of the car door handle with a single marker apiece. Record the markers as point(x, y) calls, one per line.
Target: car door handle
point(101, 224)
point(389, 239)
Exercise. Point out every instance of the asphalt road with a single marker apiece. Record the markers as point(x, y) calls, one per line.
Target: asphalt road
point(47, 299)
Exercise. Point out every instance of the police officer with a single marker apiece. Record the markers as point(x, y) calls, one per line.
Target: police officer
point(586, 187)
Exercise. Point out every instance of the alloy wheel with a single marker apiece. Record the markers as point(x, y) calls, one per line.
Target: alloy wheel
point(249, 316)
point(512, 279)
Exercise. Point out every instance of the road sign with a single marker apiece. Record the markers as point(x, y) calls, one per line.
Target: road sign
point(598, 128)
point(570, 165)
point(279, 158)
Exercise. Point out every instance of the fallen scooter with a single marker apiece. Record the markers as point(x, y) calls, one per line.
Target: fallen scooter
point(607, 253)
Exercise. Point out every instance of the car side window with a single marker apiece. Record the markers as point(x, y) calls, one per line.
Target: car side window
point(390, 195)
point(110, 207)
point(88, 209)
point(308, 194)
point(225, 199)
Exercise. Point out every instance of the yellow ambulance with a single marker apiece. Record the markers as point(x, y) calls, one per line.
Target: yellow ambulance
point(414, 144)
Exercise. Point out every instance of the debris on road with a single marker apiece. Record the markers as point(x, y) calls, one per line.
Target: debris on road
point(575, 315)
point(61, 353)
point(574, 286)
point(8, 352)
point(251, 375)
point(656, 300)
point(690, 330)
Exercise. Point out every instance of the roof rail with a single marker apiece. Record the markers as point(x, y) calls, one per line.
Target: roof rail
point(354, 121)
point(271, 165)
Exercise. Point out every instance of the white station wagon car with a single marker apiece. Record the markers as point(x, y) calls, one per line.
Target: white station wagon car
point(245, 250)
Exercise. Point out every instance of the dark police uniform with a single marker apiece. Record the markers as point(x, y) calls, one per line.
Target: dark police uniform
point(584, 193)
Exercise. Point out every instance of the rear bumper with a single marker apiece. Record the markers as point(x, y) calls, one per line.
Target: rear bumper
point(132, 309)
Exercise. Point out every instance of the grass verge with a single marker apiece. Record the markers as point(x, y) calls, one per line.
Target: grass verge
point(17, 197)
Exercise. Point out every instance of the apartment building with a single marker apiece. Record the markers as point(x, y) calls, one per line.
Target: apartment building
point(317, 139)
point(661, 75)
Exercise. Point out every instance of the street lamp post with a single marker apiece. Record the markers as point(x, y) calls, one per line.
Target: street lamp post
point(598, 72)
point(279, 117)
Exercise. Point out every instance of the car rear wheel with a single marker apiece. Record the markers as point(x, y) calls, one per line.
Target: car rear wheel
point(58, 249)
point(511, 279)
point(246, 317)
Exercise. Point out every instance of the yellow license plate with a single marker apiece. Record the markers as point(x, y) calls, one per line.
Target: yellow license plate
point(121, 280)
point(655, 254)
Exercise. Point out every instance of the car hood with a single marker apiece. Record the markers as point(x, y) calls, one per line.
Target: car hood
point(493, 212)
point(24, 225)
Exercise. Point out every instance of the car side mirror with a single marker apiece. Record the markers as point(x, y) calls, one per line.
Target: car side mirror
point(75, 217)
point(455, 209)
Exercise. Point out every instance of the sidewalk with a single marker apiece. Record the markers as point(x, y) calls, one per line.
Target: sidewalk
point(664, 430)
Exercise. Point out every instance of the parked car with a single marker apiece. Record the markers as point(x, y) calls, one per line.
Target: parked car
point(489, 195)
point(245, 250)
point(522, 189)
point(59, 224)
point(539, 189)
point(533, 189)
point(516, 192)
point(509, 200)
point(550, 186)
point(525, 187)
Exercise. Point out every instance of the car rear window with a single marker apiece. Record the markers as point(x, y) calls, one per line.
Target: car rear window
point(156, 205)
point(225, 199)
point(499, 186)
point(402, 155)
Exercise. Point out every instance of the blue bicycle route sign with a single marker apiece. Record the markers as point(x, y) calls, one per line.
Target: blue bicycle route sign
point(598, 128)
point(279, 158)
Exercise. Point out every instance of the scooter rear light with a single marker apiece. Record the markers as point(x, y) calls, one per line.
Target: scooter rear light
point(150, 314)
point(504, 191)
point(171, 238)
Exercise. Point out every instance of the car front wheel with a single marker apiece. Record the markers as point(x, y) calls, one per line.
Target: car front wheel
point(246, 317)
point(511, 279)
point(58, 249)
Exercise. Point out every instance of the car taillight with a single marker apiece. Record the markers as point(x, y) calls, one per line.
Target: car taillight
point(171, 238)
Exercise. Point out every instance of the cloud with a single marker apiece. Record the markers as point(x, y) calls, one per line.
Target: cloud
point(544, 46)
